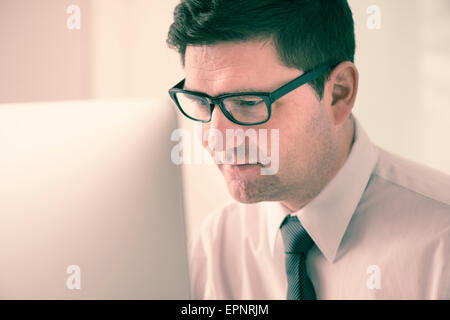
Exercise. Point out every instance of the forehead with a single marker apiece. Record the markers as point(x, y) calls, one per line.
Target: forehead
point(214, 57)
point(233, 66)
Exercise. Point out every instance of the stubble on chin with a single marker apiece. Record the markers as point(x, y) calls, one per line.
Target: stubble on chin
point(251, 189)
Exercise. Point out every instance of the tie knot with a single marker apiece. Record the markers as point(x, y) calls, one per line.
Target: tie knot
point(295, 238)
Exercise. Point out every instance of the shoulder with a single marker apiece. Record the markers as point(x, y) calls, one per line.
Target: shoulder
point(409, 194)
point(428, 185)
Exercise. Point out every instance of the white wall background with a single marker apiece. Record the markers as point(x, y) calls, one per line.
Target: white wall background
point(40, 59)
point(120, 51)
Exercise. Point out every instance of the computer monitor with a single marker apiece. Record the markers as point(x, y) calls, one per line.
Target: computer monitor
point(91, 205)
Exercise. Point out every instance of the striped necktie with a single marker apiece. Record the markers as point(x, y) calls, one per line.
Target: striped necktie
point(297, 242)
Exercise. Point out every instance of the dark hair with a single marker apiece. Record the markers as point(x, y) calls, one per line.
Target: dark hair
point(305, 33)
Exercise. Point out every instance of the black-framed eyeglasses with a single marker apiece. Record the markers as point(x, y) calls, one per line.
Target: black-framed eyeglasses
point(243, 108)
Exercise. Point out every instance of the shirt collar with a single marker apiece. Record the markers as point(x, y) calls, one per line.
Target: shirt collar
point(327, 216)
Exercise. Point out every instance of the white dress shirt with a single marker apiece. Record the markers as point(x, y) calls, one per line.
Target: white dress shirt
point(381, 229)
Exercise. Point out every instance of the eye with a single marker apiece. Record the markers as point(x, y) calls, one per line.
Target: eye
point(246, 102)
point(203, 102)
point(198, 100)
point(249, 103)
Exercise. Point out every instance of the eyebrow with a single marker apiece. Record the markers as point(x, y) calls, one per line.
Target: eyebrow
point(228, 92)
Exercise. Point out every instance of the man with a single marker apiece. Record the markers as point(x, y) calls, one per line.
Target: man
point(341, 218)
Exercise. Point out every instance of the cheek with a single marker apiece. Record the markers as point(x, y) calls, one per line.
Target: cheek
point(303, 136)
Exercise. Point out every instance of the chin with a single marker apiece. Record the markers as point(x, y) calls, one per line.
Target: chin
point(246, 200)
point(244, 192)
point(249, 186)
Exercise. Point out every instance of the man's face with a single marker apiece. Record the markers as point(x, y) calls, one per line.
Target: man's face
point(307, 138)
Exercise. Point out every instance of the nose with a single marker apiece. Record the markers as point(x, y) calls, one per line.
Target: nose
point(215, 130)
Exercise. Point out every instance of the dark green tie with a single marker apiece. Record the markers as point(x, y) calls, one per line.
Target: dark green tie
point(297, 242)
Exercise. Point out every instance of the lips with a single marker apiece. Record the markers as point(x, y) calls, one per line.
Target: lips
point(235, 164)
point(247, 163)
point(240, 165)
point(232, 157)
point(245, 168)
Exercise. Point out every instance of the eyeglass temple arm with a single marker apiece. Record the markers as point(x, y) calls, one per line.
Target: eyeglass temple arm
point(304, 78)
point(180, 84)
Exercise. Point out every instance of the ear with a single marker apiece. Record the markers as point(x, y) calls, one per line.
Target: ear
point(340, 91)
